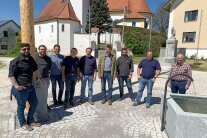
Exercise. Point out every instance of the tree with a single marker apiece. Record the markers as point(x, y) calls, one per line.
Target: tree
point(161, 20)
point(99, 16)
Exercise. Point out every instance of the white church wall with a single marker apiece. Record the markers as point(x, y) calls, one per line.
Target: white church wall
point(44, 34)
point(66, 37)
point(81, 42)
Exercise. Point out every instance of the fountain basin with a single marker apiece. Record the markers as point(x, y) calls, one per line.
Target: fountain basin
point(186, 116)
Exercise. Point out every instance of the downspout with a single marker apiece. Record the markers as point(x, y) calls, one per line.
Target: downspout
point(57, 32)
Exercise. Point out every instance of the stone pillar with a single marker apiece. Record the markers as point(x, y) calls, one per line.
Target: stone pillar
point(27, 23)
point(171, 48)
point(117, 45)
point(94, 41)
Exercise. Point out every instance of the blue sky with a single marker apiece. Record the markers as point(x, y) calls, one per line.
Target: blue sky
point(9, 9)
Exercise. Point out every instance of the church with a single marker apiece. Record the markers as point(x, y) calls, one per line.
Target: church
point(61, 19)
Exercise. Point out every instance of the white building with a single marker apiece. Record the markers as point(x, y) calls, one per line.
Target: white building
point(8, 32)
point(57, 24)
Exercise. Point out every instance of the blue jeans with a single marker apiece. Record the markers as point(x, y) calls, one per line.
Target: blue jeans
point(107, 77)
point(84, 80)
point(121, 80)
point(178, 87)
point(142, 83)
point(22, 96)
point(58, 79)
point(70, 87)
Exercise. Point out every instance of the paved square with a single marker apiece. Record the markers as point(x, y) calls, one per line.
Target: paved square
point(121, 120)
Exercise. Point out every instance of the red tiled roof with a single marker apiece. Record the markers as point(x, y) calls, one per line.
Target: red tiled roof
point(57, 9)
point(135, 7)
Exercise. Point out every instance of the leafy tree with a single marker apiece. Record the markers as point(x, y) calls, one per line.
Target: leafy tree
point(160, 20)
point(99, 16)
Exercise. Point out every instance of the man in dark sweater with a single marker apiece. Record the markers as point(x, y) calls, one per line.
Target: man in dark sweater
point(88, 69)
point(44, 64)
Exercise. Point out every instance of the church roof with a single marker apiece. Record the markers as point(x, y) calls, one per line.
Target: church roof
point(135, 8)
point(57, 9)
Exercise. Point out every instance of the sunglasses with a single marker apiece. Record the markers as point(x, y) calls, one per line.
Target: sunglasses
point(24, 49)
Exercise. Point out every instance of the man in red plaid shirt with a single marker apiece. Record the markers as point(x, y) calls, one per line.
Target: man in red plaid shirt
point(180, 83)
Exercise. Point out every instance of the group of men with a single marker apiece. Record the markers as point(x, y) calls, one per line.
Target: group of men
point(24, 70)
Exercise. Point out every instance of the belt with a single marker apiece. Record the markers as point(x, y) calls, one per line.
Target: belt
point(179, 80)
point(148, 78)
point(28, 84)
point(107, 71)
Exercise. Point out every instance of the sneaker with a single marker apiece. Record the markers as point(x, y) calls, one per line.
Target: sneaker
point(72, 103)
point(60, 102)
point(110, 102)
point(91, 102)
point(103, 101)
point(147, 105)
point(27, 127)
point(33, 124)
point(48, 108)
point(81, 102)
point(136, 103)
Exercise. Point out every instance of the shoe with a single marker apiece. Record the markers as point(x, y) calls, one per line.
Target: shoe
point(103, 101)
point(60, 102)
point(120, 99)
point(65, 106)
point(72, 103)
point(81, 102)
point(110, 102)
point(55, 102)
point(48, 108)
point(133, 100)
point(136, 103)
point(147, 105)
point(27, 127)
point(91, 102)
point(33, 124)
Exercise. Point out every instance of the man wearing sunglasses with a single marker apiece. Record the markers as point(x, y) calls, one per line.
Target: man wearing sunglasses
point(21, 70)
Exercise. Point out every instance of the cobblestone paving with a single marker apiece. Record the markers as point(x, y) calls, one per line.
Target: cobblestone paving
point(121, 120)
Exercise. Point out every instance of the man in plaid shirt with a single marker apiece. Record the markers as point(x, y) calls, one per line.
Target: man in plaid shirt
point(180, 83)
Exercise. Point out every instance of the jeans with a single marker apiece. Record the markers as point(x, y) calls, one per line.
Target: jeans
point(121, 80)
point(70, 87)
point(178, 87)
point(22, 96)
point(106, 77)
point(84, 80)
point(142, 83)
point(58, 79)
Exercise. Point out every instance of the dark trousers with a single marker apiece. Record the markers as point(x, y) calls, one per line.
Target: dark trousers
point(121, 80)
point(22, 96)
point(54, 80)
point(178, 87)
point(70, 87)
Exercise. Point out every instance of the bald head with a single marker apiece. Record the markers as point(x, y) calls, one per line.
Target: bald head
point(180, 58)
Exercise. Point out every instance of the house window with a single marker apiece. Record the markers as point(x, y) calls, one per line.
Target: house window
point(63, 27)
point(6, 34)
point(146, 24)
point(39, 29)
point(52, 28)
point(4, 47)
point(191, 16)
point(189, 37)
point(133, 24)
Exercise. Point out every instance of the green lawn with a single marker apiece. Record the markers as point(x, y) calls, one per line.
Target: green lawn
point(201, 66)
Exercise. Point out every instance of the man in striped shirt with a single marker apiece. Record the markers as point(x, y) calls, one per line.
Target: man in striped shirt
point(180, 83)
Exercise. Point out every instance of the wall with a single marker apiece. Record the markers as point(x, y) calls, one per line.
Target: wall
point(180, 26)
point(10, 41)
point(66, 38)
point(46, 36)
